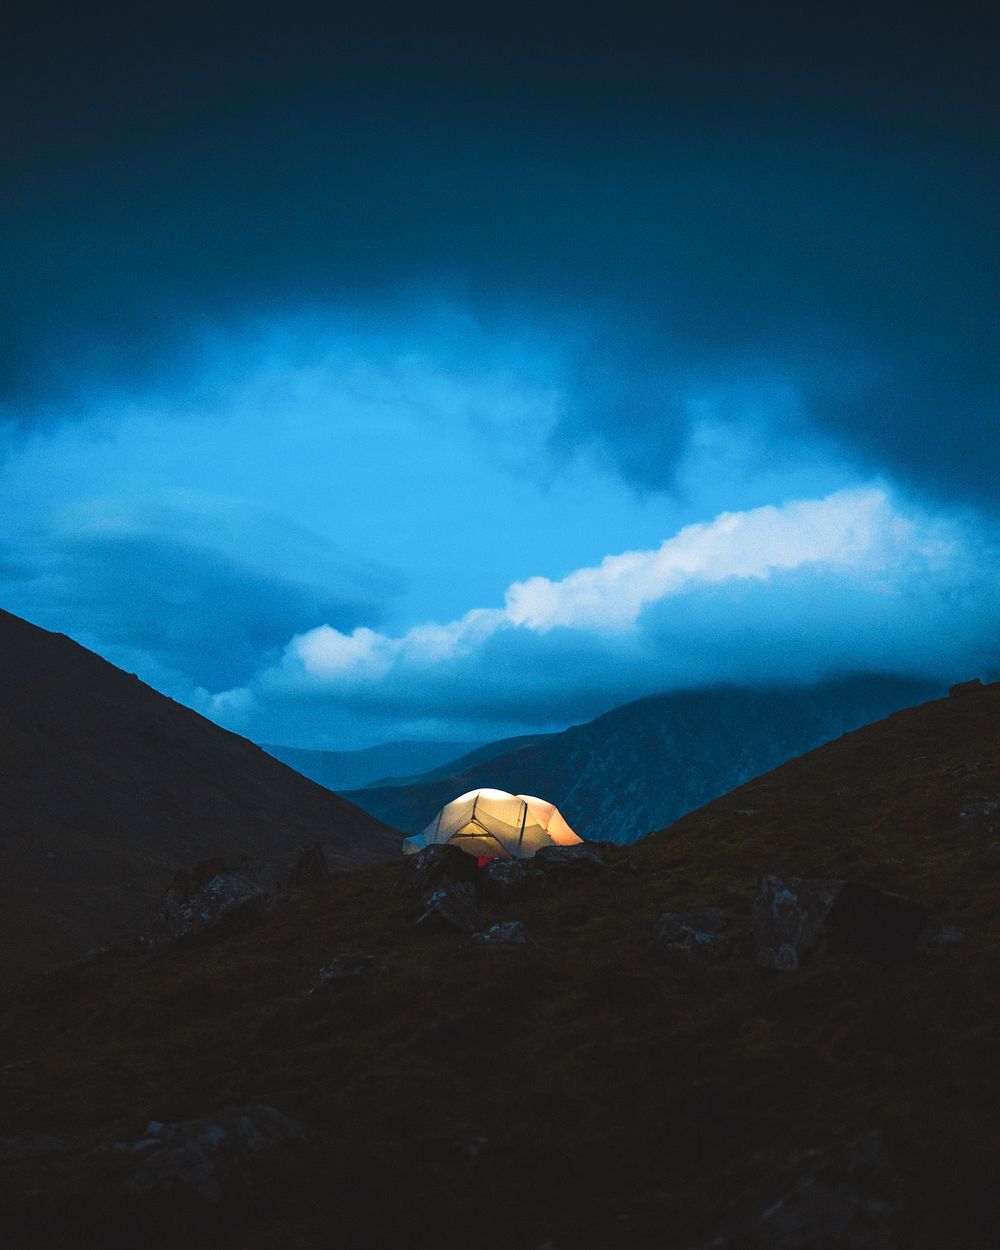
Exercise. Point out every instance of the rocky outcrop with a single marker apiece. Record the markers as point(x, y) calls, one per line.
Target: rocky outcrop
point(209, 899)
point(845, 1196)
point(503, 878)
point(506, 936)
point(792, 917)
point(421, 872)
point(310, 867)
point(451, 903)
point(699, 931)
point(206, 1157)
point(353, 967)
point(584, 857)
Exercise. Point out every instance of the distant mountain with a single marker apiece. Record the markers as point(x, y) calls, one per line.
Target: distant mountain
point(643, 765)
point(107, 787)
point(347, 770)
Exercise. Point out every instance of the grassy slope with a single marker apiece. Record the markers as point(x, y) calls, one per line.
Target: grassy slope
point(107, 787)
point(625, 1100)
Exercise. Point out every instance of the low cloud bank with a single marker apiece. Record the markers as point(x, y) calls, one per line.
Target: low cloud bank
point(850, 581)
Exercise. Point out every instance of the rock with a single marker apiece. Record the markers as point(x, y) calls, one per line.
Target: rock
point(208, 1156)
point(961, 688)
point(561, 859)
point(789, 919)
point(503, 878)
point(453, 903)
point(32, 1146)
point(421, 872)
point(508, 935)
point(695, 932)
point(847, 1196)
point(225, 902)
point(874, 922)
point(310, 867)
point(941, 942)
point(351, 967)
point(980, 815)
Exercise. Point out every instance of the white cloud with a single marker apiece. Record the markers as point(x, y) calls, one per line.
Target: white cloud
point(850, 529)
point(844, 580)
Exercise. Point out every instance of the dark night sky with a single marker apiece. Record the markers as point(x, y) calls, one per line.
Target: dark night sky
point(344, 349)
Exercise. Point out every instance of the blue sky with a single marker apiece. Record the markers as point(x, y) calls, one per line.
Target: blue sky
point(363, 398)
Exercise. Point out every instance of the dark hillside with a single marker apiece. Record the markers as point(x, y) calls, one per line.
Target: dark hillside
point(582, 1092)
point(107, 787)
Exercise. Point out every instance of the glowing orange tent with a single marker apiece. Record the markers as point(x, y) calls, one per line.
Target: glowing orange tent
point(495, 823)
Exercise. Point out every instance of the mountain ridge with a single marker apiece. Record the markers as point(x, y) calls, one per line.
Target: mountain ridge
point(107, 788)
point(642, 765)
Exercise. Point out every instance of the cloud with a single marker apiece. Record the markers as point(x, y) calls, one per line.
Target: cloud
point(185, 588)
point(851, 581)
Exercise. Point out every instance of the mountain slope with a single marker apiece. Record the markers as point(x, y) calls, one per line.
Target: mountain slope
point(643, 765)
point(107, 787)
point(346, 770)
point(582, 1091)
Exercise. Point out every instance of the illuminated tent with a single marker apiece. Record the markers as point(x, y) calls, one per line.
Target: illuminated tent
point(495, 823)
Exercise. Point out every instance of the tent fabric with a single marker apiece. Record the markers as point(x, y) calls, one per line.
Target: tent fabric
point(492, 823)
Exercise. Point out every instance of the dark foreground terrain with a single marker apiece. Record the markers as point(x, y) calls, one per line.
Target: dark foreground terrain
point(587, 1091)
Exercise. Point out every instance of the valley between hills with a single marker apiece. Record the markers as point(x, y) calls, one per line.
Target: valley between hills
point(625, 1062)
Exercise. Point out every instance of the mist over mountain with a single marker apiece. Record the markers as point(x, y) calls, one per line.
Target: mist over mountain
point(643, 765)
point(344, 770)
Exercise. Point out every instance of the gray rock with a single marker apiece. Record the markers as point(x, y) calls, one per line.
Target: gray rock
point(503, 878)
point(32, 1146)
point(980, 815)
point(581, 858)
point(695, 932)
point(789, 919)
point(452, 903)
point(846, 1196)
point(226, 902)
point(507, 935)
point(351, 967)
point(310, 867)
point(206, 1157)
point(419, 873)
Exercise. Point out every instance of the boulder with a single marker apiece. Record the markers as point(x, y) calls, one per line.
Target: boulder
point(226, 902)
point(353, 967)
point(961, 688)
point(789, 919)
point(980, 815)
point(844, 1196)
point(699, 931)
point(581, 858)
point(503, 878)
point(206, 1157)
point(310, 867)
point(421, 872)
point(452, 903)
point(506, 936)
